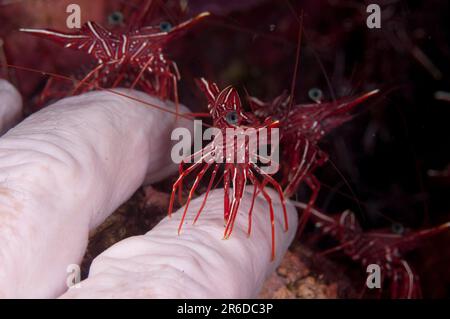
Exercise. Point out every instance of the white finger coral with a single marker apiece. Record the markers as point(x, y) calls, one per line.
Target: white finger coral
point(63, 170)
point(10, 106)
point(196, 264)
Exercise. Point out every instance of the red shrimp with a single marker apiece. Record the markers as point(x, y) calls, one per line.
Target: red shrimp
point(226, 111)
point(301, 128)
point(134, 59)
point(383, 247)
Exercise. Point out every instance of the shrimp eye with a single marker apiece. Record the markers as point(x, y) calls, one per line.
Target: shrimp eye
point(165, 26)
point(316, 95)
point(397, 228)
point(115, 18)
point(232, 118)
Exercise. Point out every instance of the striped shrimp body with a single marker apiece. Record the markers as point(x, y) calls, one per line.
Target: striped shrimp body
point(301, 128)
point(383, 247)
point(133, 59)
point(226, 111)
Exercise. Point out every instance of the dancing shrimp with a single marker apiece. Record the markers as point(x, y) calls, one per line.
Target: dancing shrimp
point(384, 247)
point(134, 59)
point(226, 111)
point(301, 128)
